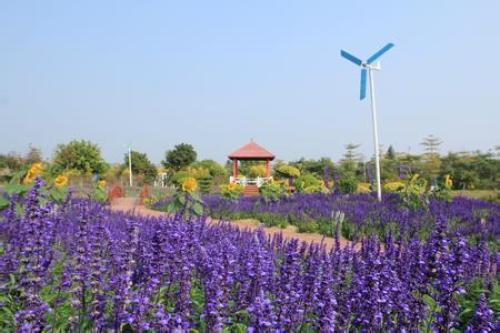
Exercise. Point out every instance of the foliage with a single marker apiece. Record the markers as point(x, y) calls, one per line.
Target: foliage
point(141, 165)
point(82, 155)
point(180, 157)
point(286, 171)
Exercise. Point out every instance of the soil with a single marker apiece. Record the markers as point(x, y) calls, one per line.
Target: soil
point(131, 205)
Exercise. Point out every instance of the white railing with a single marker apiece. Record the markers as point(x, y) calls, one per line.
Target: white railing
point(259, 181)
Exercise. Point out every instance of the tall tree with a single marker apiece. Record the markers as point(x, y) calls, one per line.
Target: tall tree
point(351, 156)
point(180, 157)
point(142, 166)
point(432, 162)
point(431, 145)
point(80, 155)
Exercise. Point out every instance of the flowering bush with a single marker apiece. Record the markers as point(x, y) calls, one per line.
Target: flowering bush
point(80, 267)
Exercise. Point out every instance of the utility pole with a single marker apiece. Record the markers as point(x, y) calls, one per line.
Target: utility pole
point(130, 165)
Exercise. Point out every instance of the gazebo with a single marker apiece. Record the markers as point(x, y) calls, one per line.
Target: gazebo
point(251, 152)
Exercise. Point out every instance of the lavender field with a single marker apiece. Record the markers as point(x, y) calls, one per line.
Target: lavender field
point(364, 215)
point(80, 267)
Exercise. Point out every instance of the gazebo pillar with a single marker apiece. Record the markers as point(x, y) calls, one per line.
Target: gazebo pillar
point(268, 170)
point(235, 168)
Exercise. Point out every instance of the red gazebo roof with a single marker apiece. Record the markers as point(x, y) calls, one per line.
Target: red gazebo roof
point(251, 151)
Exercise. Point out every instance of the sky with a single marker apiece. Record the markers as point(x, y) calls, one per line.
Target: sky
point(152, 74)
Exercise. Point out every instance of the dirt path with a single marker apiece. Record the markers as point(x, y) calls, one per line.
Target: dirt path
point(131, 205)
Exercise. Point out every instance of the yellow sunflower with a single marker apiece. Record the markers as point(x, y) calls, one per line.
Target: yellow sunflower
point(36, 167)
point(447, 181)
point(33, 172)
point(189, 185)
point(101, 184)
point(61, 181)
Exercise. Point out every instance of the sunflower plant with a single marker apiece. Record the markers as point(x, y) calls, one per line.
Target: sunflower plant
point(59, 188)
point(231, 191)
point(99, 192)
point(186, 201)
point(443, 190)
point(414, 193)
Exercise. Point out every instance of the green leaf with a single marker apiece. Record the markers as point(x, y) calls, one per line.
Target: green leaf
point(15, 189)
point(197, 209)
point(429, 301)
point(58, 194)
point(171, 208)
point(4, 203)
point(181, 199)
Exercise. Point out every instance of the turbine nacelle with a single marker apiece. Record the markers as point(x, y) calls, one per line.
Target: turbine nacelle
point(373, 67)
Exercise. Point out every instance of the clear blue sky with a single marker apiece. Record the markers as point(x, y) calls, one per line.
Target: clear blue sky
point(217, 73)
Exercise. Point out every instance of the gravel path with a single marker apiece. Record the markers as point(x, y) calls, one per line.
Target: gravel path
point(131, 205)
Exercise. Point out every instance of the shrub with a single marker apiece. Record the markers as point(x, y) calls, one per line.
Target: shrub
point(308, 226)
point(144, 194)
point(287, 171)
point(364, 188)
point(116, 191)
point(348, 184)
point(393, 186)
point(308, 183)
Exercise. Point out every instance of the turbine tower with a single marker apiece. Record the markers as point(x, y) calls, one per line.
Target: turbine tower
point(367, 68)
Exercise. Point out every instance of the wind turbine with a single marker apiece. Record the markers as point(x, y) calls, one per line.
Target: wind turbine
point(366, 68)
